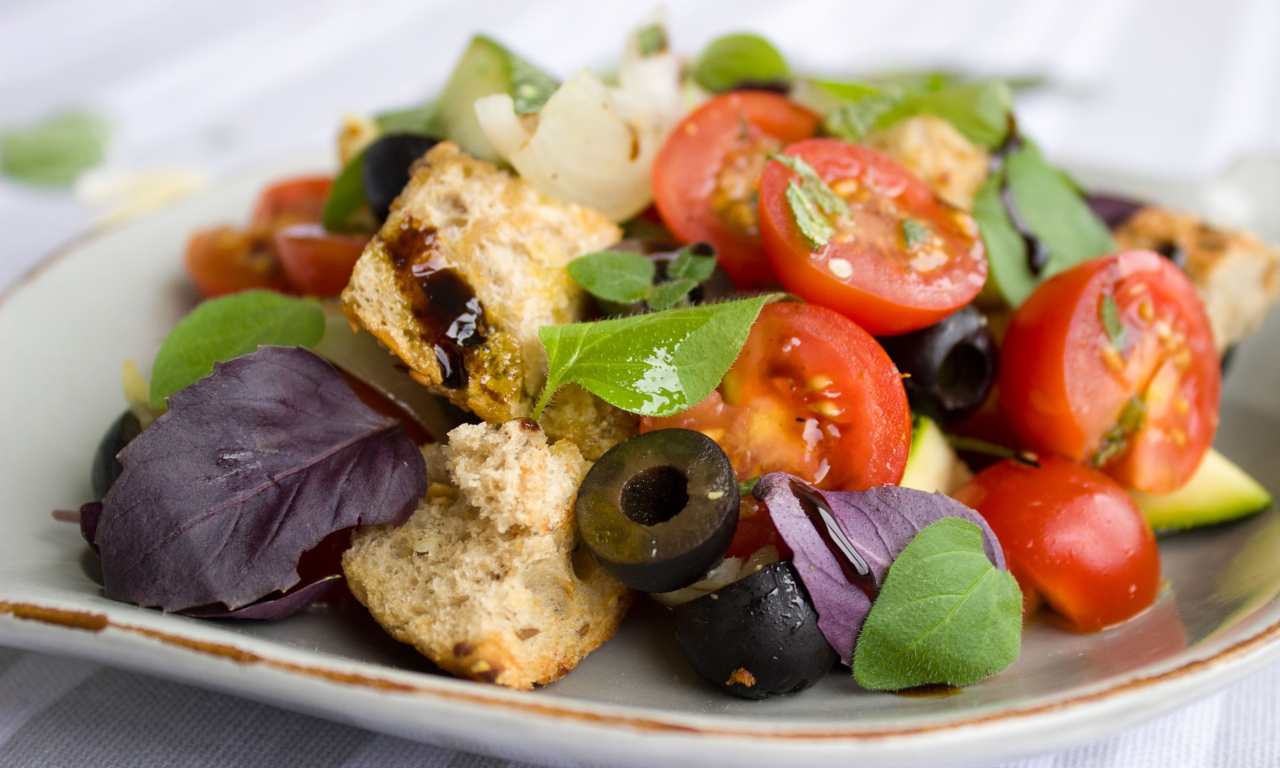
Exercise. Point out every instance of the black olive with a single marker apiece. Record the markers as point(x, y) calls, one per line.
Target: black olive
point(1228, 357)
point(106, 467)
point(950, 366)
point(757, 637)
point(659, 509)
point(386, 168)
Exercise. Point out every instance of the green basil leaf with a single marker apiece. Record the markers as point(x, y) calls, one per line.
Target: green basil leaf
point(651, 40)
point(667, 295)
point(945, 614)
point(1109, 315)
point(915, 232)
point(1053, 209)
point(1009, 276)
point(620, 276)
point(732, 60)
point(691, 265)
point(853, 121)
point(54, 151)
point(419, 119)
point(346, 208)
point(227, 327)
point(978, 110)
point(656, 364)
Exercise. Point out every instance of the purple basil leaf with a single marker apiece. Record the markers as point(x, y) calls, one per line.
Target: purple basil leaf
point(250, 467)
point(1114, 210)
point(872, 527)
point(89, 515)
point(279, 607)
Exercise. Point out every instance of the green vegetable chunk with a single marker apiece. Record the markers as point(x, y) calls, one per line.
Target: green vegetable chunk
point(656, 364)
point(620, 276)
point(227, 327)
point(945, 615)
point(54, 151)
point(732, 60)
point(1219, 491)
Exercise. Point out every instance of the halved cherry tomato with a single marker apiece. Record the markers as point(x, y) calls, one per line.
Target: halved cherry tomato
point(900, 260)
point(224, 260)
point(1073, 538)
point(316, 261)
point(291, 201)
point(706, 176)
point(1112, 362)
point(811, 394)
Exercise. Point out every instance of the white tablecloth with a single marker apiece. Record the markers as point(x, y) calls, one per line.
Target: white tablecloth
point(1170, 88)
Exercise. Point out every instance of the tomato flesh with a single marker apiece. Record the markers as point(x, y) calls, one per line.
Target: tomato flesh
point(706, 176)
point(222, 260)
point(315, 261)
point(811, 394)
point(1113, 363)
point(1073, 538)
point(901, 259)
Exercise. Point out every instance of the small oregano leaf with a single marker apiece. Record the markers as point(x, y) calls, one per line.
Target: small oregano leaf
point(667, 295)
point(813, 204)
point(227, 327)
point(620, 276)
point(915, 232)
point(656, 364)
point(696, 262)
point(734, 60)
point(1109, 316)
point(945, 615)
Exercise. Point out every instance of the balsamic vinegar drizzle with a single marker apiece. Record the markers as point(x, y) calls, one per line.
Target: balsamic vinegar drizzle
point(450, 316)
point(1037, 253)
point(852, 565)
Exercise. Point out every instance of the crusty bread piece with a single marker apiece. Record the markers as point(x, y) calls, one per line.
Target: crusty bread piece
point(1238, 275)
point(931, 148)
point(485, 578)
point(511, 245)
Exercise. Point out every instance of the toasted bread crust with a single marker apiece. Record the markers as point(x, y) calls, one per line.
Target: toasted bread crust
point(485, 578)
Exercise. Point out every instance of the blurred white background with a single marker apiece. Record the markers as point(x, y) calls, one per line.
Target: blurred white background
point(1173, 89)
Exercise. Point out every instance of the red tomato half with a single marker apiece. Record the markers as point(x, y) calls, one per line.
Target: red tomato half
point(224, 260)
point(317, 262)
point(811, 394)
point(1073, 538)
point(1139, 400)
point(706, 176)
point(291, 201)
point(900, 260)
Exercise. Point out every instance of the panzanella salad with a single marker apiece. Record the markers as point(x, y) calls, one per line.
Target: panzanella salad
point(842, 371)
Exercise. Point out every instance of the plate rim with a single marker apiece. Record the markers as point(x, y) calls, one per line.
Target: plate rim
point(1254, 649)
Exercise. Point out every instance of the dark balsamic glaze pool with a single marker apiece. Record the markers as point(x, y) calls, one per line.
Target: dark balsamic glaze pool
point(449, 315)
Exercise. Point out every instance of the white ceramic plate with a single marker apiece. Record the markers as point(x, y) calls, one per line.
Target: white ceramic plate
point(64, 331)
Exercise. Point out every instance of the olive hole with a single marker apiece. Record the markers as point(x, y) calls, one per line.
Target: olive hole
point(963, 376)
point(655, 495)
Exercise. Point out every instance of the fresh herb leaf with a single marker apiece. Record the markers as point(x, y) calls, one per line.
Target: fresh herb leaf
point(346, 208)
point(915, 232)
point(967, 444)
point(739, 59)
point(667, 295)
point(833, 534)
point(945, 614)
point(979, 110)
point(1109, 315)
point(251, 467)
point(745, 487)
point(419, 119)
point(656, 364)
point(54, 151)
point(651, 39)
point(1115, 441)
point(815, 227)
point(696, 262)
point(1053, 211)
point(227, 327)
point(813, 204)
point(620, 276)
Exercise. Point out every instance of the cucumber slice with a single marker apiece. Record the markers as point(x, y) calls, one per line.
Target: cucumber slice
point(486, 68)
point(932, 465)
point(1219, 491)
